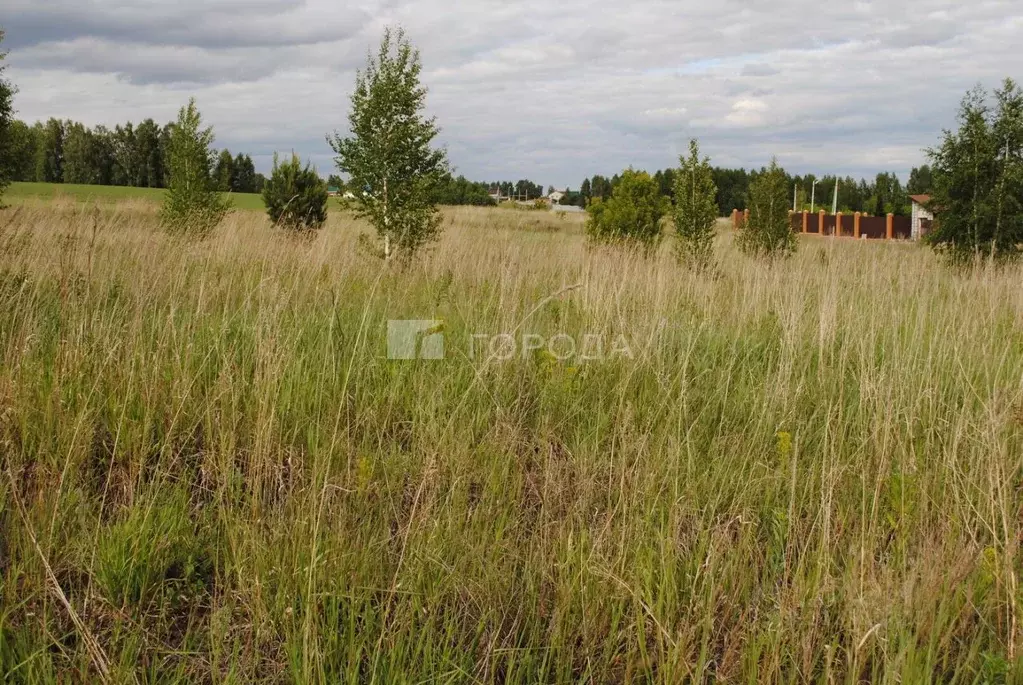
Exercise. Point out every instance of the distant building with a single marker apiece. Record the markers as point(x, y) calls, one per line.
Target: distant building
point(333, 191)
point(921, 218)
point(556, 196)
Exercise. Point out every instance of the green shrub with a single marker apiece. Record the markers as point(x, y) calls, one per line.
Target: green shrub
point(295, 197)
point(768, 232)
point(632, 214)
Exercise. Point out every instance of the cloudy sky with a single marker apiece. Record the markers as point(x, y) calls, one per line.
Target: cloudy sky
point(552, 91)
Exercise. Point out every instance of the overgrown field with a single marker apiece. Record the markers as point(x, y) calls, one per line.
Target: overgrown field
point(34, 193)
point(806, 470)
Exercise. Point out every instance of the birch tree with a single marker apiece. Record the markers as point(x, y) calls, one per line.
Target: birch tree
point(389, 156)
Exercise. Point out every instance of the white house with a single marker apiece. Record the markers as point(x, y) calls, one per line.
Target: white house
point(921, 217)
point(556, 196)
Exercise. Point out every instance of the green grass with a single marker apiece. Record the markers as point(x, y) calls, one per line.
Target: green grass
point(20, 192)
point(806, 471)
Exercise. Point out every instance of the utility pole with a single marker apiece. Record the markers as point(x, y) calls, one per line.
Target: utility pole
point(813, 195)
point(795, 195)
point(834, 202)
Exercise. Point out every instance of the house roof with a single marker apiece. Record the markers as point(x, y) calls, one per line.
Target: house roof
point(920, 199)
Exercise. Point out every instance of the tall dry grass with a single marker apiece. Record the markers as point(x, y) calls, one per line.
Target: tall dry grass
point(806, 470)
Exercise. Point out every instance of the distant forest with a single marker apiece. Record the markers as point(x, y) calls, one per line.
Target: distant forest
point(133, 155)
point(129, 155)
point(884, 195)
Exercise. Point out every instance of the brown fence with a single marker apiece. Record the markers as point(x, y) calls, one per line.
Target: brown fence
point(813, 223)
point(874, 227)
point(856, 225)
point(903, 228)
point(829, 225)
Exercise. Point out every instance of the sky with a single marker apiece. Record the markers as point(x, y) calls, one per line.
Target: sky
point(550, 91)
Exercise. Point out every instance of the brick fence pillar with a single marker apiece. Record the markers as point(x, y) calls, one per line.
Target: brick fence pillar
point(745, 218)
point(838, 224)
point(890, 227)
point(735, 219)
point(856, 225)
point(806, 219)
point(820, 226)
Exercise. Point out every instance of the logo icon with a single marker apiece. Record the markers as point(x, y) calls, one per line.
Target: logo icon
point(415, 339)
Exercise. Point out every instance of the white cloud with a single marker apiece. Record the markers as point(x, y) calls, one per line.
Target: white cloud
point(554, 92)
point(666, 112)
point(747, 112)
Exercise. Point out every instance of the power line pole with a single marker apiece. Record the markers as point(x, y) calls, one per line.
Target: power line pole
point(813, 195)
point(834, 202)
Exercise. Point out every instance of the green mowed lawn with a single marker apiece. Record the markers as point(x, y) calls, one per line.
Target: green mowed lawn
point(20, 192)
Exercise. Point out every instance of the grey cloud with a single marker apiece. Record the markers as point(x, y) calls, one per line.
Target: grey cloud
point(154, 64)
point(755, 70)
point(234, 23)
point(553, 91)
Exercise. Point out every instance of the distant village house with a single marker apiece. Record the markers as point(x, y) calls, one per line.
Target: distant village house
point(921, 217)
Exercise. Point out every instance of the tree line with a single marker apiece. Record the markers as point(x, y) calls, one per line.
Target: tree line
point(68, 152)
point(884, 195)
point(136, 155)
point(59, 151)
point(461, 191)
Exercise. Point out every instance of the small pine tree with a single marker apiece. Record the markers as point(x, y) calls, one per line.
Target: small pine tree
point(392, 164)
point(768, 232)
point(192, 205)
point(696, 209)
point(632, 214)
point(295, 197)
